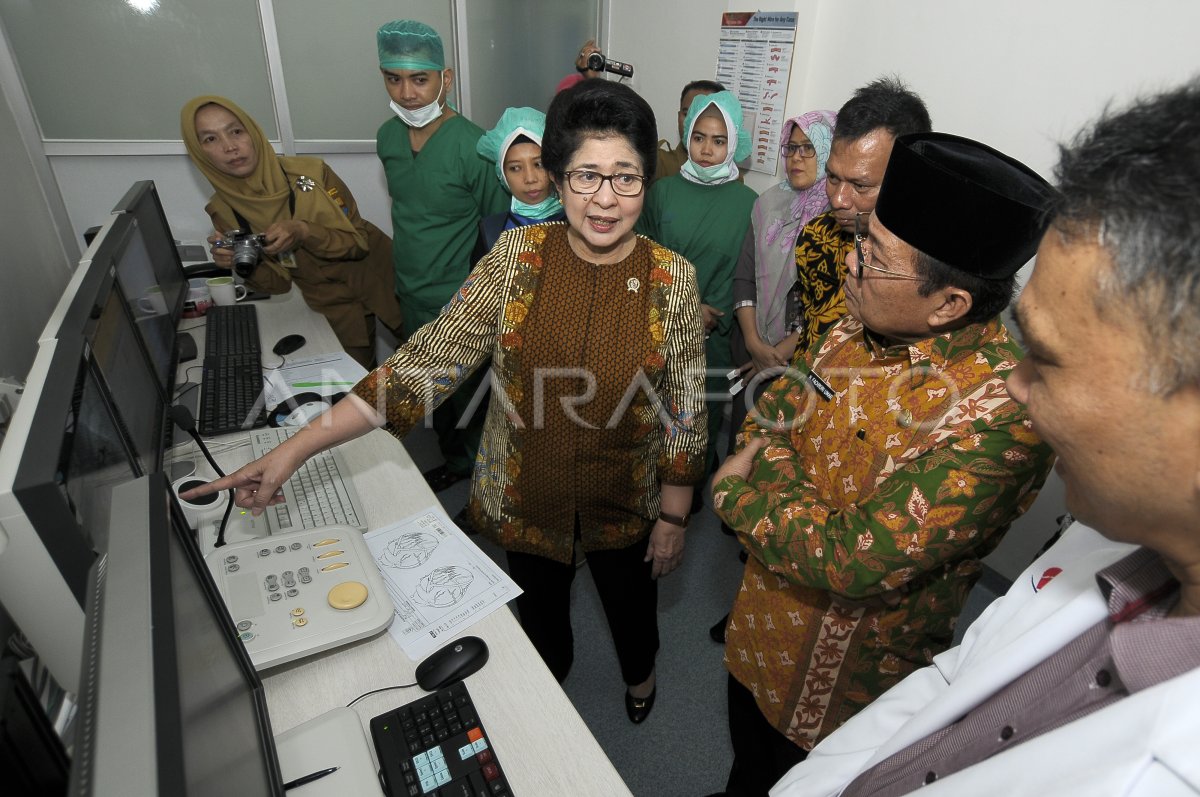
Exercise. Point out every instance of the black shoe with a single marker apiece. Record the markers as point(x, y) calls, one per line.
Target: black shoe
point(639, 708)
point(441, 477)
point(717, 632)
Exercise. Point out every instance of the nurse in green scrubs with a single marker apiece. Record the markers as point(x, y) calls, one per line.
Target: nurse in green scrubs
point(703, 214)
point(440, 189)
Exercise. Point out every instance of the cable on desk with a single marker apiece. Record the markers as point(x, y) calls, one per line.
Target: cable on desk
point(188, 384)
point(377, 691)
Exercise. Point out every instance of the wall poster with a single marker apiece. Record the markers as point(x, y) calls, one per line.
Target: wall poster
point(754, 61)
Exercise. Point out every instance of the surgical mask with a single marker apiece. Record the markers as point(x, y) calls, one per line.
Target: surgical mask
point(718, 173)
point(422, 116)
point(542, 210)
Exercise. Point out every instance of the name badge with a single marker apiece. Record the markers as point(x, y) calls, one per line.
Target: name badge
point(820, 385)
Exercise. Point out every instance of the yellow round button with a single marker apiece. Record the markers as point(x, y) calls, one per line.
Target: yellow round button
point(348, 595)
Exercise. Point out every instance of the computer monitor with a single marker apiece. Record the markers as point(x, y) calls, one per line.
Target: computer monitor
point(69, 305)
point(142, 203)
point(152, 276)
point(65, 451)
point(127, 360)
point(170, 703)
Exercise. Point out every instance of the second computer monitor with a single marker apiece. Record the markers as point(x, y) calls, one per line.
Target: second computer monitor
point(170, 704)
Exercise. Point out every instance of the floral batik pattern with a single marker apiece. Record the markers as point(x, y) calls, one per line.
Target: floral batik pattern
point(867, 513)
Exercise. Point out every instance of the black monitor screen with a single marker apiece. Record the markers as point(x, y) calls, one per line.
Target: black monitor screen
point(142, 202)
point(149, 304)
point(117, 345)
point(170, 702)
point(75, 454)
point(93, 458)
point(221, 711)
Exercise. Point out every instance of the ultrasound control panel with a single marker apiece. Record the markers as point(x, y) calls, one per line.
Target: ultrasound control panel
point(302, 593)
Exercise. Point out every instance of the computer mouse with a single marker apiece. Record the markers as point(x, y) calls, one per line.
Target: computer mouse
point(288, 344)
point(455, 661)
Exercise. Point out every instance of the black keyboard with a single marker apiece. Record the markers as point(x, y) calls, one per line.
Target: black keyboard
point(231, 387)
point(436, 745)
point(231, 329)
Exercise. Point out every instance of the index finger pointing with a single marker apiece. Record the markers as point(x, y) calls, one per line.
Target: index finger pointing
point(215, 486)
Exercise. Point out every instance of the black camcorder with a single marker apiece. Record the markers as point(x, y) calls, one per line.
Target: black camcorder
point(598, 63)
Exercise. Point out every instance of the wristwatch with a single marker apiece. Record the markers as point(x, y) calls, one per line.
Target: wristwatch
point(675, 520)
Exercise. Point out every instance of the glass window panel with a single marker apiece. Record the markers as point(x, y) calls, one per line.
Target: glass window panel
point(331, 64)
point(121, 69)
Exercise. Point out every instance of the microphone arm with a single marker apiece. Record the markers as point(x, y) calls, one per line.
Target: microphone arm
point(182, 417)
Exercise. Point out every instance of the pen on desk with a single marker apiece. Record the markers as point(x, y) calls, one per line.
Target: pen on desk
point(291, 784)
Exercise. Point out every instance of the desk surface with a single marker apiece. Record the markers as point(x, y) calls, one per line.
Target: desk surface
point(539, 737)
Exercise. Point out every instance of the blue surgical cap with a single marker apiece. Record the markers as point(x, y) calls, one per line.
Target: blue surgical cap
point(731, 109)
point(408, 44)
point(513, 122)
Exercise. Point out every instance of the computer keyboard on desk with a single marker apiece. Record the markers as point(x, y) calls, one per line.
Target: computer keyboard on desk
point(231, 394)
point(231, 386)
point(437, 744)
point(231, 329)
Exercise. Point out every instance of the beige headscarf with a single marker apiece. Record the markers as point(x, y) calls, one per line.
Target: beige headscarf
point(262, 197)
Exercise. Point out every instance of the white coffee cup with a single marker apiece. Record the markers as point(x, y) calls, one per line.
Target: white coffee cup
point(198, 298)
point(152, 301)
point(224, 291)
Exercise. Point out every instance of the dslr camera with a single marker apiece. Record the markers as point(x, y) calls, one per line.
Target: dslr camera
point(597, 62)
point(247, 250)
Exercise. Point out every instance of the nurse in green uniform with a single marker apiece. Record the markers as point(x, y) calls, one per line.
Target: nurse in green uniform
point(703, 214)
point(440, 189)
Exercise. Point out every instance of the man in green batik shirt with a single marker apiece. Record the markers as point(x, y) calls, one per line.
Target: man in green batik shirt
point(872, 478)
point(440, 189)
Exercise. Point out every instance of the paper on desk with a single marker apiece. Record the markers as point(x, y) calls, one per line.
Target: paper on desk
point(323, 374)
point(439, 581)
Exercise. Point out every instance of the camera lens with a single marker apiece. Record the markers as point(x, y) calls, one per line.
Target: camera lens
point(245, 256)
point(595, 62)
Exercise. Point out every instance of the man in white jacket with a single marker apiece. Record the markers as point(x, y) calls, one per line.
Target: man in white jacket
point(1085, 678)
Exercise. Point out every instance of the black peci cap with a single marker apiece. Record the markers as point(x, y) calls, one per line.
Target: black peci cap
point(963, 203)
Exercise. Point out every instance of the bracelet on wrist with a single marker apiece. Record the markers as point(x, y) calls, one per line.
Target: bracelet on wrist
point(675, 520)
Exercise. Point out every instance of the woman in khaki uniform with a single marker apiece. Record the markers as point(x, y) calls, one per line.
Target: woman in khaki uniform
point(314, 236)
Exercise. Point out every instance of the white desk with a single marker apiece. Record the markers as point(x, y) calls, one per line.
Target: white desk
point(539, 738)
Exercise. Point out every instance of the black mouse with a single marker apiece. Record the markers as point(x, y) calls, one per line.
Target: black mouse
point(455, 661)
point(288, 344)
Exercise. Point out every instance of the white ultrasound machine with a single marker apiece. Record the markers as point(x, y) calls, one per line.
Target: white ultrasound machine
point(299, 578)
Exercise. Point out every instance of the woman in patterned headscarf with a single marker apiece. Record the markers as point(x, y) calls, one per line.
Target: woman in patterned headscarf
point(315, 238)
point(769, 331)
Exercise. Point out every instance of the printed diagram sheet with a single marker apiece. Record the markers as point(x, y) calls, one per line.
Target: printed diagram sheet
point(311, 378)
point(439, 581)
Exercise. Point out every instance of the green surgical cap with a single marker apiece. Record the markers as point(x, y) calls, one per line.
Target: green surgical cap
point(408, 44)
point(513, 122)
point(731, 109)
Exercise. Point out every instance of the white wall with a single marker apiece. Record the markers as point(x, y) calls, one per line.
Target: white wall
point(35, 264)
